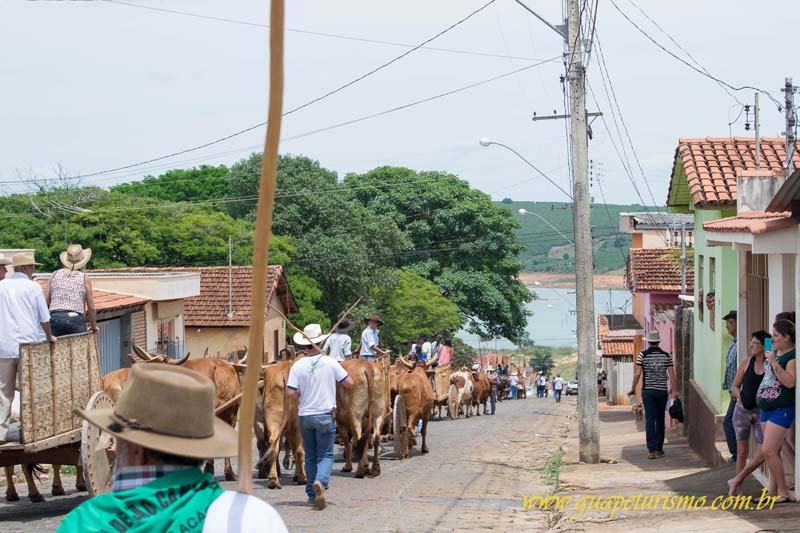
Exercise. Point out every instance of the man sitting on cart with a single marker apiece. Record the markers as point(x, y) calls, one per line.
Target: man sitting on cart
point(165, 429)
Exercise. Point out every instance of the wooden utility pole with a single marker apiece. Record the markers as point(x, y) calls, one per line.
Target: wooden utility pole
point(588, 418)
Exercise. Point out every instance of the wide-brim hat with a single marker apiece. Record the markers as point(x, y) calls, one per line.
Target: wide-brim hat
point(168, 409)
point(653, 336)
point(312, 334)
point(23, 259)
point(731, 314)
point(75, 257)
point(374, 317)
point(345, 326)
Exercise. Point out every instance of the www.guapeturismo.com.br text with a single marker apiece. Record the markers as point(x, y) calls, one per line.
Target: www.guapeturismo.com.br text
point(642, 502)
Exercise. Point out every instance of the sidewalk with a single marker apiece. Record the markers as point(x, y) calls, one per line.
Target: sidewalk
point(626, 471)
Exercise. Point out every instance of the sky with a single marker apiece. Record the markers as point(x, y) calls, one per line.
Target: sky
point(96, 85)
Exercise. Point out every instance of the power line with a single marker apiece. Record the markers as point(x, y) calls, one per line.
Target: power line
point(301, 106)
point(320, 34)
point(694, 68)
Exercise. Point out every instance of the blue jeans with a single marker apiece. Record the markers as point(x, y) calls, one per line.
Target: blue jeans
point(66, 323)
point(318, 434)
point(655, 405)
point(512, 392)
point(727, 426)
point(557, 394)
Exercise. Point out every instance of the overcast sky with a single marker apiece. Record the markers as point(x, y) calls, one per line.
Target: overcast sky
point(95, 85)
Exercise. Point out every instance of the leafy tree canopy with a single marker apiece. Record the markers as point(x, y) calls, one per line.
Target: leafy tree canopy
point(182, 185)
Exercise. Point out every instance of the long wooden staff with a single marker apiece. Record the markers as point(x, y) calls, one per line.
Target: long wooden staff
point(266, 199)
point(349, 310)
point(292, 326)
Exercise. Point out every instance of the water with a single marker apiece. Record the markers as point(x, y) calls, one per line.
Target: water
point(553, 322)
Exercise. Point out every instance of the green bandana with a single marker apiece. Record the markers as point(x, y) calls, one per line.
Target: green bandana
point(174, 503)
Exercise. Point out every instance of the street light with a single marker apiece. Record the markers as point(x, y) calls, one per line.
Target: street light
point(524, 212)
point(485, 141)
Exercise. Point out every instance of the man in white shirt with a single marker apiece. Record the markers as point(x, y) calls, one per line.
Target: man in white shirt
point(313, 379)
point(558, 387)
point(339, 345)
point(370, 339)
point(24, 319)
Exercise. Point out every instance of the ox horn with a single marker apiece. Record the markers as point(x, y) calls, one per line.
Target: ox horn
point(180, 361)
point(142, 354)
point(243, 360)
point(402, 361)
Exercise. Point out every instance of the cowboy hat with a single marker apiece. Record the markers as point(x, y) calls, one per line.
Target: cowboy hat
point(653, 336)
point(345, 326)
point(375, 318)
point(312, 334)
point(23, 259)
point(731, 314)
point(168, 409)
point(75, 257)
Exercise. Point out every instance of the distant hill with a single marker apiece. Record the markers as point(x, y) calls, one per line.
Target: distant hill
point(550, 252)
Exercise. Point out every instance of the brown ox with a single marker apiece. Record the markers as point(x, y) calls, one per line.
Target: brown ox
point(280, 420)
point(417, 393)
point(355, 414)
point(222, 373)
point(482, 391)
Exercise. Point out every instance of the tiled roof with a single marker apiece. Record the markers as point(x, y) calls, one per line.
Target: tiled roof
point(754, 222)
point(107, 301)
point(617, 347)
point(210, 308)
point(711, 165)
point(613, 345)
point(657, 269)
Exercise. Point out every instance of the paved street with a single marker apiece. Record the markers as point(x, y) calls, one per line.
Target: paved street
point(474, 479)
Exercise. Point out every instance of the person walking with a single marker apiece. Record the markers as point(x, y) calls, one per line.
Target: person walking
point(69, 294)
point(313, 379)
point(371, 340)
point(558, 387)
point(24, 319)
point(513, 382)
point(339, 345)
point(165, 429)
point(727, 384)
point(653, 366)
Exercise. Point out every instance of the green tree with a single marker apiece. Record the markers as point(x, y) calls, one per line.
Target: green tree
point(542, 359)
point(416, 306)
point(461, 241)
point(182, 185)
point(463, 354)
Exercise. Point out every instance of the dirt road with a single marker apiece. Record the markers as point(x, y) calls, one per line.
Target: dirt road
point(474, 479)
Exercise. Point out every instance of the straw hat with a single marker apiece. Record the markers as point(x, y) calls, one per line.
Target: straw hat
point(75, 257)
point(653, 336)
point(23, 259)
point(312, 332)
point(374, 317)
point(168, 409)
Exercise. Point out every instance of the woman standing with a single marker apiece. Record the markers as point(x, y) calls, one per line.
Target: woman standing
point(69, 294)
point(776, 401)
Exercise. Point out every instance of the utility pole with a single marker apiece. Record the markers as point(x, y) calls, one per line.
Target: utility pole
point(788, 94)
point(683, 258)
point(588, 417)
point(758, 133)
point(230, 275)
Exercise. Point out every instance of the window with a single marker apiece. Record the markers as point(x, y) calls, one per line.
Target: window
point(168, 342)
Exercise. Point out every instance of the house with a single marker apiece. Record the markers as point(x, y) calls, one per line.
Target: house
point(704, 184)
point(215, 320)
point(619, 341)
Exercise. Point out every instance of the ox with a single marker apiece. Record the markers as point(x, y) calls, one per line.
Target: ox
point(461, 388)
point(355, 415)
point(280, 420)
point(417, 393)
point(222, 373)
point(482, 391)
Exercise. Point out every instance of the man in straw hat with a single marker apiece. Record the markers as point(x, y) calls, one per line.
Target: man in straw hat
point(313, 379)
point(653, 365)
point(339, 345)
point(164, 426)
point(370, 339)
point(24, 319)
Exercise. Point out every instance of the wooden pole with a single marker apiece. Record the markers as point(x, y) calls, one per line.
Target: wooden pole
point(298, 330)
point(349, 310)
point(266, 199)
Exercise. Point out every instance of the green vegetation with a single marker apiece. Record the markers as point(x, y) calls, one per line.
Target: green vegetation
point(552, 469)
point(547, 251)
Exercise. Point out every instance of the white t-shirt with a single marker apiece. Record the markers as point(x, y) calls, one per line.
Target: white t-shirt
point(426, 348)
point(236, 512)
point(558, 384)
point(316, 377)
point(514, 380)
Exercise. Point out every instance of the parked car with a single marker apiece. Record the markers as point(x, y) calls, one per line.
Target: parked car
point(572, 387)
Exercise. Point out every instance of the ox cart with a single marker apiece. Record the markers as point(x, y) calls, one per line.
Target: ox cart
point(53, 381)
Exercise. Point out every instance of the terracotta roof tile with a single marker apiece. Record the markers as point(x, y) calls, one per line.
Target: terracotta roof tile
point(210, 308)
point(754, 222)
point(106, 301)
point(617, 347)
point(710, 165)
point(657, 269)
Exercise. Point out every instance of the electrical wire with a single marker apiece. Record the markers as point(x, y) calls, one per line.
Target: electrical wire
point(318, 33)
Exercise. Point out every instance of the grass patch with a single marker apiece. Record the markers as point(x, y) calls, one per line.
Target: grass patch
point(552, 469)
point(69, 470)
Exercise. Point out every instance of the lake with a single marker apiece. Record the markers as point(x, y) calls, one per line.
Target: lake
point(553, 322)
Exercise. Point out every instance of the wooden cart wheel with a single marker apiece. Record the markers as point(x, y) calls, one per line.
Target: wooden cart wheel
point(98, 462)
point(400, 426)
